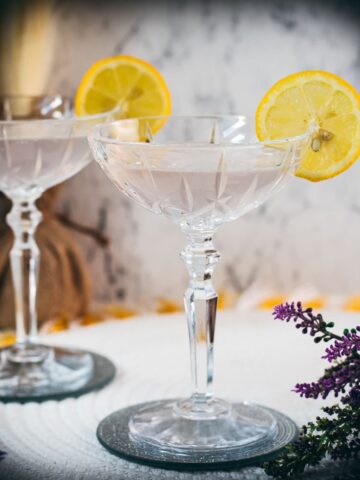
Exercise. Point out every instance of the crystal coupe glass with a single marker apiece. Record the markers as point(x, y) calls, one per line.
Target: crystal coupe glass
point(199, 172)
point(42, 144)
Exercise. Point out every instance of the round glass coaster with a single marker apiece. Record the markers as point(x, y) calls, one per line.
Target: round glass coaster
point(61, 373)
point(246, 435)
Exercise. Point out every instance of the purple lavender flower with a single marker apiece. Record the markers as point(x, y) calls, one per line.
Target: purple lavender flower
point(336, 435)
point(339, 377)
point(335, 380)
point(305, 319)
point(345, 346)
point(287, 311)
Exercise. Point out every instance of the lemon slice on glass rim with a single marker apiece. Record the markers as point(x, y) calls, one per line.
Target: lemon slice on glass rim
point(320, 103)
point(128, 83)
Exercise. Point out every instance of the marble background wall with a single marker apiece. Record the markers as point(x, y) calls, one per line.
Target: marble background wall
point(217, 57)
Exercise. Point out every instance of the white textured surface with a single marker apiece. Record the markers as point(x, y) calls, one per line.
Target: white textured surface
point(256, 358)
point(218, 57)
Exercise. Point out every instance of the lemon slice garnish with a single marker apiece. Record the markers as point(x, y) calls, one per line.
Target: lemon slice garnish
point(319, 102)
point(126, 82)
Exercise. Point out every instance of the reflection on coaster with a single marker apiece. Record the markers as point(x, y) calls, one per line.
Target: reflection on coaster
point(100, 373)
point(114, 434)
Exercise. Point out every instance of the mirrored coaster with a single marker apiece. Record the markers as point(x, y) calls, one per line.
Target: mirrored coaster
point(262, 434)
point(62, 373)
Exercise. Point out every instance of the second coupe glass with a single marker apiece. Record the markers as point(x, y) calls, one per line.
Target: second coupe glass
point(42, 143)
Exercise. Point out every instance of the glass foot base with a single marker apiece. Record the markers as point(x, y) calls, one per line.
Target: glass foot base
point(178, 426)
point(43, 373)
point(158, 434)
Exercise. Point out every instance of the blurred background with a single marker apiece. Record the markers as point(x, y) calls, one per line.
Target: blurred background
point(217, 57)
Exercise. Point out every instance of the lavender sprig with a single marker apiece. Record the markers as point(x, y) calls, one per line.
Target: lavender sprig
point(335, 380)
point(305, 319)
point(337, 435)
point(349, 343)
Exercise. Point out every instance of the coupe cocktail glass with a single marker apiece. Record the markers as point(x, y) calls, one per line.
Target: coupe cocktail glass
point(42, 144)
point(199, 172)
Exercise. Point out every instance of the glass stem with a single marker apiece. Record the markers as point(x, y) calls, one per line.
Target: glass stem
point(24, 218)
point(200, 257)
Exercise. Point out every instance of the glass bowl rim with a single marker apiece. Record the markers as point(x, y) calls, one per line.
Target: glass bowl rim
point(58, 121)
point(97, 136)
